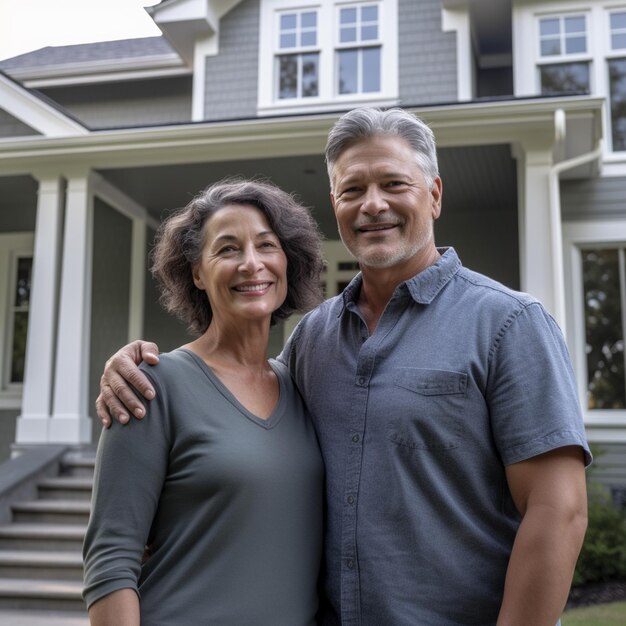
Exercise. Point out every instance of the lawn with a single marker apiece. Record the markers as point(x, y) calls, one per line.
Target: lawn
point(612, 614)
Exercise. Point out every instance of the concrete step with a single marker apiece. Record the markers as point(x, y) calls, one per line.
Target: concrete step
point(66, 488)
point(79, 466)
point(52, 511)
point(17, 593)
point(41, 617)
point(23, 536)
point(42, 565)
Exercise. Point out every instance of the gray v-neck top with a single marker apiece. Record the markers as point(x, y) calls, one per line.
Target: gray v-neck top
point(230, 504)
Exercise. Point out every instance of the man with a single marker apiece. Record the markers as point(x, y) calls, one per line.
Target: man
point(444, 404)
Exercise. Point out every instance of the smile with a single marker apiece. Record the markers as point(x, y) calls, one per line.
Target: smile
point(248, 288)
point(368, 228)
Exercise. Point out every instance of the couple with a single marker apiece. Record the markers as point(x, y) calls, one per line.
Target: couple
point(443, 403)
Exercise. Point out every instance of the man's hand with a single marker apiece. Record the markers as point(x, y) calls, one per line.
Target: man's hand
point(116, 398)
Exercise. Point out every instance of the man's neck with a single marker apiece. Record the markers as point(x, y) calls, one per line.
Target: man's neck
point(379, 284)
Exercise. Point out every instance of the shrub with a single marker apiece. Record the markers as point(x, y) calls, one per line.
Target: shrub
point(603, 555)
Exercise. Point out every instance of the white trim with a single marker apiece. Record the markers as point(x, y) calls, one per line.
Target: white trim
point(12, 245)
point(35, 112)
point(327, 46)
point(457, 20)
point(602, 425)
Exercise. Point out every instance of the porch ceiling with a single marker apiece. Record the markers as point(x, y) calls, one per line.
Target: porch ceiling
point(480, 178)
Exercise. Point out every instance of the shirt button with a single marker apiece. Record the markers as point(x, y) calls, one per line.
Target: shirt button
point(350, 564)
point(350, 499)
point(355, 438)
point(361, 380)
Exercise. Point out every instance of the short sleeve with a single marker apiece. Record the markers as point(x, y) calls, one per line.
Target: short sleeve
point(531, 392)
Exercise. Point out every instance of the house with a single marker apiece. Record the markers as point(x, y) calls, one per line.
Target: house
point(527, 99)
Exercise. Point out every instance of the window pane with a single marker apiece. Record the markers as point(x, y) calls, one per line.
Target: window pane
point(347, 16)
point(20, 326)
point(22, 288)
point(549, 27)
point(550, 47)
point(288, 76)
point(309, 75)
point(308, 38)
point(618, 20)
point(603, 323)
point(575, 45)
point(308, 19)
point(617, 81)
point(348, 67)
point(575, 24)
point(369, 14)
point(564, 78)
point(288, 21)
point(371, 70)
point(288, 40)
point(618, 41)
point(347, 34)
point(369, 33)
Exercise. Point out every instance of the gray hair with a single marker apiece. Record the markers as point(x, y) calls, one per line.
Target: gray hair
point(365, 122)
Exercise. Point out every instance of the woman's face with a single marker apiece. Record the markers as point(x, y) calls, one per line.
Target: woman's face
point(242, 267)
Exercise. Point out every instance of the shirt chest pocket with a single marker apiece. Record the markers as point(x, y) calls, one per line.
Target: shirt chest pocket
point(428, 408)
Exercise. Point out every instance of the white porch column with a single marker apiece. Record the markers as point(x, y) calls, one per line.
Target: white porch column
point(70, 421)
point(537, 252)
point(33, 423)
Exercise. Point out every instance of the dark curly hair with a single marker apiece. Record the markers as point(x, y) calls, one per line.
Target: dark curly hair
point(180, 239)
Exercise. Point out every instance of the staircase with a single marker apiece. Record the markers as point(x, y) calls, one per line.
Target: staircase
point(41, 567)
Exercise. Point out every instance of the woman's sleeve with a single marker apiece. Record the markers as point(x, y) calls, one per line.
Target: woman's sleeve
point(131, 465)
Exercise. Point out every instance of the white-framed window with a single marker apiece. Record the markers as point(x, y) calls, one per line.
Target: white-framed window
point(563, 54)
point(314, 54)
point(358, 49)
point(616, 68)
point(297, 54)
point(595, 281)
point(16, 262)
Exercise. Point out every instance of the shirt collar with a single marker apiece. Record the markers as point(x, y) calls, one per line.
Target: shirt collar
point(423, 287)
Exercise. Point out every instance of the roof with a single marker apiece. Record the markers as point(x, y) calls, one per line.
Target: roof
point(90, 53)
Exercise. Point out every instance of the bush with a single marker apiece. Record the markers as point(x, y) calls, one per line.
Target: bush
point(603, 555)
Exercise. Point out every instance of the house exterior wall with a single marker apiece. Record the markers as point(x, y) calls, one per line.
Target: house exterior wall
point(7, 432)
point(136, 103)
point(596, 198)
point(427, 56)
point(18, 204)
point(12, 127)
point(231, 76)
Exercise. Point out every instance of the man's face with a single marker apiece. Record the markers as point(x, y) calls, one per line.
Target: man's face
point(384, 207)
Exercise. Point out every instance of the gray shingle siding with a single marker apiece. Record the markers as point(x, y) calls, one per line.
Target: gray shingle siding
point(600, 198)
point(115, 105)
point(427, 71)
point(232, 75)
point(12, 127)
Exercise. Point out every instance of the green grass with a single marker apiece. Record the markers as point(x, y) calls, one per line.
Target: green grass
point(611, 614)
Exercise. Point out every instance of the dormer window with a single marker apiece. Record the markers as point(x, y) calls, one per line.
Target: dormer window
point(563, 54)
point(298, 56)
point(314, 54)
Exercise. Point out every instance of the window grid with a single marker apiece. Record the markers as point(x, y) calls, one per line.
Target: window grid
point(617, 27)
point(297, 72)
point(562, 36)
point(358, 49)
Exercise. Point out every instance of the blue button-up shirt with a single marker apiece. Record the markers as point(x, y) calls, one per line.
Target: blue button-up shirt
point(416, 423)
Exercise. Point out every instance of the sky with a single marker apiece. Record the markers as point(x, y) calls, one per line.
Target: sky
point(27, 25)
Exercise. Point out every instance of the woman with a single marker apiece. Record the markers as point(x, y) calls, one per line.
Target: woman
point(224, 480)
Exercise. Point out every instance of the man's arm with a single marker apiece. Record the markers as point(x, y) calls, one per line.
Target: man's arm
point(120, 608)
point(549, 491)
point(117, 399)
